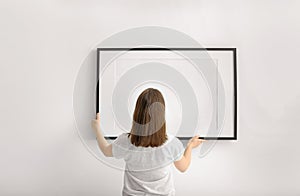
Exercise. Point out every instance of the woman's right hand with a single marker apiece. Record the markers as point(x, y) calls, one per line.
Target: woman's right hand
point(185, 161)
point(195, 142)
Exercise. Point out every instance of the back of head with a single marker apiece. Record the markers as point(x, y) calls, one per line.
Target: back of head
point(149, 125)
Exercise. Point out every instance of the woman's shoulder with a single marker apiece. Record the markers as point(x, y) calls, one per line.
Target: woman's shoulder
point(171, 143)
point(122, 139)
point(123, 135)
point(172, 138)
point(175, 147)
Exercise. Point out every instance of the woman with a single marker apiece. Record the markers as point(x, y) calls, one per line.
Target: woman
point(148, 150)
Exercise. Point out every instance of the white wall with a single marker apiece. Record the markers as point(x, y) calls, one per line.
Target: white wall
point(43, 43)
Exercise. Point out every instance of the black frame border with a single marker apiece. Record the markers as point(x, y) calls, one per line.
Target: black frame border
point(234, 56)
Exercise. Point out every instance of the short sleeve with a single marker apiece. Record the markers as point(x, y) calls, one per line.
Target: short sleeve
point(120, 146)
point(177, 149)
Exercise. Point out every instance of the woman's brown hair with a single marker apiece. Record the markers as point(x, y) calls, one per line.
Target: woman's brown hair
point(149, 125)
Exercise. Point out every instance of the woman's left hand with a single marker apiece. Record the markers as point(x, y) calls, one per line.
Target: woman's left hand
point(96, 123)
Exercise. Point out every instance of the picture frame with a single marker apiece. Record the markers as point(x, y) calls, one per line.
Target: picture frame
point(233, 56)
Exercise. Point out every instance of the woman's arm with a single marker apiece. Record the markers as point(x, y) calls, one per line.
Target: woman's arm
point(183, 164)
point(104, 146)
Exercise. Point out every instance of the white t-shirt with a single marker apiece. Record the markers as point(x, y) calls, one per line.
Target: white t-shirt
point(148, 169)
